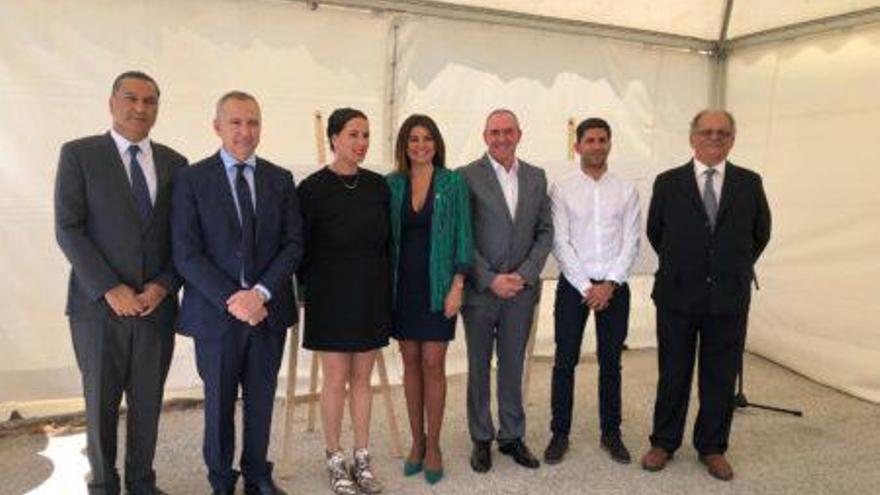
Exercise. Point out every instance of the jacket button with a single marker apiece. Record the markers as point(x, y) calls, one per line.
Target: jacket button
point(708, 280)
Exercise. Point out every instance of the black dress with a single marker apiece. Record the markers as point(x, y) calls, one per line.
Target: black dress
point(345, 269)
point(413, 318)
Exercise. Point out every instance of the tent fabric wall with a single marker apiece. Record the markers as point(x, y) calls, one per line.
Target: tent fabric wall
point(57, 61)
point(808, 118)
point(647, 94)
point(59, 57)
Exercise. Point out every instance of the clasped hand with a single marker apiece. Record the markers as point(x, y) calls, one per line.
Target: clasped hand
point(124, 301)
point(507, 285)
point(599, 296)
point(248, 306)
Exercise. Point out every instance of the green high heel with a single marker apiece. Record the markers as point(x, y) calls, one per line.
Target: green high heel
point(413, 468)
point(433, 477)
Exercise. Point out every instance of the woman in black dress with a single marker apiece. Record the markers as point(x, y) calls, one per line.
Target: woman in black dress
point(347, 290)
point(431, 252)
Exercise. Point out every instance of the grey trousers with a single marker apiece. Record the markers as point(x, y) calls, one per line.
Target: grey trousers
point(119, 356)
point(502, 326)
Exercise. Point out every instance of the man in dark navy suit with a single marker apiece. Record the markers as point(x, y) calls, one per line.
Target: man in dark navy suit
point(237, 239)
point(113, 223)
point(708, 222)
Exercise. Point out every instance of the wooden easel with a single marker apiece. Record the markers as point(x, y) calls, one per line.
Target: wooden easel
point(313, 396)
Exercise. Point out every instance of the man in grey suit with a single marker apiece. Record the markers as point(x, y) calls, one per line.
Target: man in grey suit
point(112, 221)
point(513, 234)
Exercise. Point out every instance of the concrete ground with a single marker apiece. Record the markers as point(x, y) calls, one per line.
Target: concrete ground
point(832, 449)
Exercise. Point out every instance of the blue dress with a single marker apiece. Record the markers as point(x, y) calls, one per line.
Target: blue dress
point(413, 318)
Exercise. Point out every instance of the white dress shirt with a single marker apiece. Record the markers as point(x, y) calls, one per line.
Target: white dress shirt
point(596, 227)
point(145, 158)
point(717, 181)
point(509, 182)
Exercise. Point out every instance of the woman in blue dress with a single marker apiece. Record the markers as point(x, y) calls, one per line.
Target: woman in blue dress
point(431, 251)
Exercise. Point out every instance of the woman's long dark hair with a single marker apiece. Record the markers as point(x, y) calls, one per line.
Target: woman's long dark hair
point(402, 164)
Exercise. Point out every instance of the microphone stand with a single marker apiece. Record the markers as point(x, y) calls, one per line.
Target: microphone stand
point(740, 400)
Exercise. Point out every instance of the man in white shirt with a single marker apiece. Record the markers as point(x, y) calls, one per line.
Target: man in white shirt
point(596, 224)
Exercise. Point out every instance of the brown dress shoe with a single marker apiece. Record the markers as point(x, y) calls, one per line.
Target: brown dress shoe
point(718, 466)
point(656, 459)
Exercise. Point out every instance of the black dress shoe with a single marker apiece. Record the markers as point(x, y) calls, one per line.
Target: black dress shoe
point(615, 448)
point(224, 492)
point(481, 456)
point(556, 449)
point(263, 488)
point(156, 491)
point(520, 453)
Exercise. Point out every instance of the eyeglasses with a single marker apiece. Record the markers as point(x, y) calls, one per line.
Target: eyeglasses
point(710, 133)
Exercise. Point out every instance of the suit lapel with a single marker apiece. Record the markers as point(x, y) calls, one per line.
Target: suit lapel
point(163, 177)
point(263, 189)
point(732, 181)
point(119, 177)
point(524, 189)
point(688, 185)
point(494, 186)
point(221, 184)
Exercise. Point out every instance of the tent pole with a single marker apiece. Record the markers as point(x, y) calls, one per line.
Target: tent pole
point(389, 110)
point(718, 86)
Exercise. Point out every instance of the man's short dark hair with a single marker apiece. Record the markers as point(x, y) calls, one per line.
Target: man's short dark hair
point(134, 74)
point(592, 123)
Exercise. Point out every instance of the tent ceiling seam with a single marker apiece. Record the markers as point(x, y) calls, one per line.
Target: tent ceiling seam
point(807, 28)
point(517, 19)
point(723, 45)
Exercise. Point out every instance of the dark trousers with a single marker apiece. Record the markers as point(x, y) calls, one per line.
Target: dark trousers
point(612, 323)
point(119, 356)
point(720, 340)
point(247, 357)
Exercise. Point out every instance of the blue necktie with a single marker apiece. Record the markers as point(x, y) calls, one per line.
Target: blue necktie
point(248, 224)
point(139, 185)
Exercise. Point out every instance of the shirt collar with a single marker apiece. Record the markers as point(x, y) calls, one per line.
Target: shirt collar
point(230, 161)
point(700, 168)
point(499, 168)
point(605, 177)
point(122, 144)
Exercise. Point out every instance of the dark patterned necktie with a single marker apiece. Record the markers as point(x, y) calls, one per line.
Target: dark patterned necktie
point(139, 185)
point(248, 224)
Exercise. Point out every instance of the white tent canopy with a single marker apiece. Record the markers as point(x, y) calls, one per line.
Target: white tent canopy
point(696, 19)
point(799, 77)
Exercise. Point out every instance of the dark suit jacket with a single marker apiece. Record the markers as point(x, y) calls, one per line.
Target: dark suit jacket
point(503, 244)
point(702, 271)
point(100, 231)
point(206, 237)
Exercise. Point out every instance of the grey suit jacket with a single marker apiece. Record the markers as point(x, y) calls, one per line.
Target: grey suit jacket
point(503, 244)
point(100, 231)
